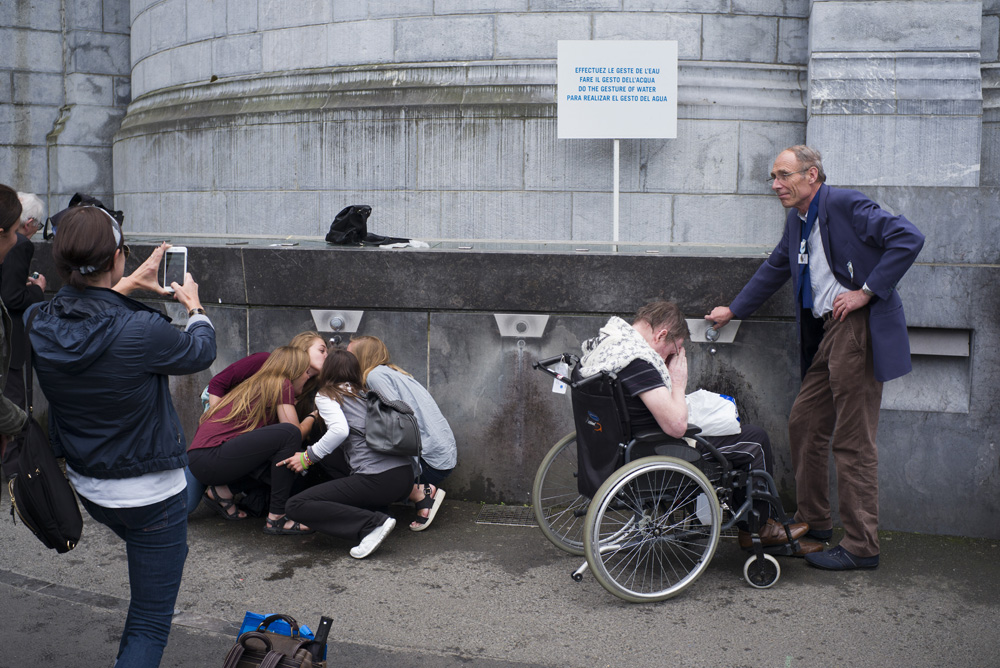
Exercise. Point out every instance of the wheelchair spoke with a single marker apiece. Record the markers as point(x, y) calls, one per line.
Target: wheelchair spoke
point(559, 507)
point(650, 541)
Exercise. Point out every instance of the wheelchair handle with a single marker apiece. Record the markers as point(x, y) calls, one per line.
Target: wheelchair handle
point(566, 358)
point(570, 360)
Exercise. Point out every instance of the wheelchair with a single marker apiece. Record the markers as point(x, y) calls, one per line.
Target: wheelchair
point(644, 509)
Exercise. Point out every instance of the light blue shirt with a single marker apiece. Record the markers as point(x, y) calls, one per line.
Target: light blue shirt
point(436, 438)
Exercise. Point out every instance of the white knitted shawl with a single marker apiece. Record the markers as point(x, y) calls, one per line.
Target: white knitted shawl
point(615, 347)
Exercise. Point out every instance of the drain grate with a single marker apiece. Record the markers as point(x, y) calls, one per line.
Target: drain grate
point(512, 516)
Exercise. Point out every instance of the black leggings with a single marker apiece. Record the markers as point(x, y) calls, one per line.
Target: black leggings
point(344, 507)
point(242, 455)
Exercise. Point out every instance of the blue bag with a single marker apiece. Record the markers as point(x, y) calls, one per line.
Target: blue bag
point(252, 620)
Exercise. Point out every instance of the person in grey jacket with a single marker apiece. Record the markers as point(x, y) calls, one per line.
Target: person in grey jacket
point(11, 417)
point(103, 361)
point(439, 451)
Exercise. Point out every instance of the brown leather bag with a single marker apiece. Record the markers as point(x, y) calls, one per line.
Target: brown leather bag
point(265, 649)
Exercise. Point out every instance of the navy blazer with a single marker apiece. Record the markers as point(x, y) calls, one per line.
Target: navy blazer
point(863, 244)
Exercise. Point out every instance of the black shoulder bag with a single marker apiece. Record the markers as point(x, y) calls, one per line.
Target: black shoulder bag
point(40, 494)
point(391, 427)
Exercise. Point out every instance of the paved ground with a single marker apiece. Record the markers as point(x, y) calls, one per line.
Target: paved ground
point(465, 594)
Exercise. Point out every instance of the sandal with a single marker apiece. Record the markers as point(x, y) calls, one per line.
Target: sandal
point(277, 528)
point(428, 502)
point(224, 507)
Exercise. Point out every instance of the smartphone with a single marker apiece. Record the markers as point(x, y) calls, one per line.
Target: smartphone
point(175, 262)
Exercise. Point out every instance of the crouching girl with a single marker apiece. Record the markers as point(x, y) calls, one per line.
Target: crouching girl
point(351, 505)
point(251, 429)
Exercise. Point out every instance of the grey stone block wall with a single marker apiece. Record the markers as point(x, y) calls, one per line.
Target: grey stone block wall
point(907, 73)
point(64, 68)
point(448, 106)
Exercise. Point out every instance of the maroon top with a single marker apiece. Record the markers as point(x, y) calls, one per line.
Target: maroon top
point(214, 432)
point(236, 373)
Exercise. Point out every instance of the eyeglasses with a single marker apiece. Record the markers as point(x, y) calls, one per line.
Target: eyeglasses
point(125, 251)
point(783, 176)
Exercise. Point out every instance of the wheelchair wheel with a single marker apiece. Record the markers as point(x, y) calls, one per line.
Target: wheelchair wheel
point(652, 529)
point(761, 573)
point(559, 507)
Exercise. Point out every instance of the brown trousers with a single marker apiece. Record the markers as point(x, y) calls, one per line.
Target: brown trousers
point(837, 409)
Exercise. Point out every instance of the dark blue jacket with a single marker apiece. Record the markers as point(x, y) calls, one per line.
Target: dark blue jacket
point(102, 361)
point(863, 243)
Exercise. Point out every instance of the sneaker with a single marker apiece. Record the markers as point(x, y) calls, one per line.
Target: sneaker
point(371, 542)
point(839, 559)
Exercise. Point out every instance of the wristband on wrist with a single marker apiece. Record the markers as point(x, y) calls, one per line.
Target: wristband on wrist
point(196, 311)
point(303, 459)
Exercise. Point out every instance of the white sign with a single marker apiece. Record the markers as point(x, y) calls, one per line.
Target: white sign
point(617, 89)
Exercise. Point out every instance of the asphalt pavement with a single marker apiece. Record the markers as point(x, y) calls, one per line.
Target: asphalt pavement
point(464, 593)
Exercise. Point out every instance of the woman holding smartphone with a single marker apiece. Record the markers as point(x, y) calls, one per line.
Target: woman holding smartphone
point(249, 431)
point(103, 361)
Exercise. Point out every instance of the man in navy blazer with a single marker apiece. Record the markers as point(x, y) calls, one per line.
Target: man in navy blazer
point(844, 256)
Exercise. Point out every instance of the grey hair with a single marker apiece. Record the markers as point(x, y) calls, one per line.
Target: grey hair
point(809, 157)
point(31, 207)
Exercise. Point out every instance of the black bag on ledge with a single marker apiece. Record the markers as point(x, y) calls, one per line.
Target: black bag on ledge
point(350, 228)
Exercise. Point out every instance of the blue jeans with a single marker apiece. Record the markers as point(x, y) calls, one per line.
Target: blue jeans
point(156, 544)
point(430, 475)
point(194, 491)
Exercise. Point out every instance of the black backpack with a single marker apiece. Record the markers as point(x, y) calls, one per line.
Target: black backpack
point(391, 427)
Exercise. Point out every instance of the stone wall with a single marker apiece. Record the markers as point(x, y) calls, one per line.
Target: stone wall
point(64, 88)
point(442, 116)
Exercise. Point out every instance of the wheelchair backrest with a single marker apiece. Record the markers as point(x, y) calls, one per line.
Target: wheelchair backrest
point(602, 429)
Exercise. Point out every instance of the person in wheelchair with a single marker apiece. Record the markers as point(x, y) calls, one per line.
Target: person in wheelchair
point(649, 358)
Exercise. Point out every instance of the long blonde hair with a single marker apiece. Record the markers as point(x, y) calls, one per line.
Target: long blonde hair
point(371, 352)
point(304, 403)
point(255, 401)
point(303, 340)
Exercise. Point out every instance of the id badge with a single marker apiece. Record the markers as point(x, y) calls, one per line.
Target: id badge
point(803, 258)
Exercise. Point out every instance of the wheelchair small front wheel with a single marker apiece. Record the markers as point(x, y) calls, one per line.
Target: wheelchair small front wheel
point(761, 573)
point(559, 507)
